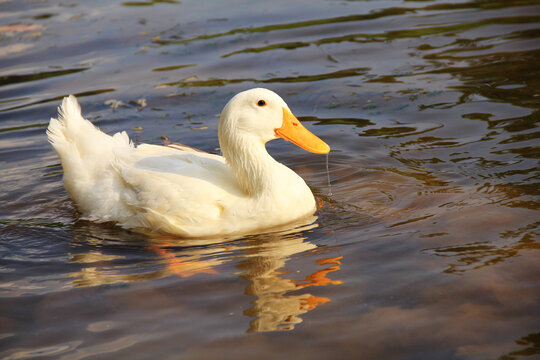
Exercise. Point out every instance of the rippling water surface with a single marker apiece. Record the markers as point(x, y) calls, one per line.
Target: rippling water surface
point(426, 248)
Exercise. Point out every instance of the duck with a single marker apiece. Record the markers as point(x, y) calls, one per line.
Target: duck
point(182, 191)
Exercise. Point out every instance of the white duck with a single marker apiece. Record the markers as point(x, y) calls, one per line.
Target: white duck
point(159, 189)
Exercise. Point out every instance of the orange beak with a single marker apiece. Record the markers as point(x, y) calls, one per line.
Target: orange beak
point(293, 131)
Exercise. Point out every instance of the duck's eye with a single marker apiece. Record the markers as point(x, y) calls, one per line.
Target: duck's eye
point(261, 102)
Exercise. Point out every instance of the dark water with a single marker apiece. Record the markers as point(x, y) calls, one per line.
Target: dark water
point(426, 249)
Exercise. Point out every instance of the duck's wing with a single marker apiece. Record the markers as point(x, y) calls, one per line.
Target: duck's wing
point(182, 192)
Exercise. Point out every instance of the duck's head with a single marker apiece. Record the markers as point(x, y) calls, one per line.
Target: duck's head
point(262, 115)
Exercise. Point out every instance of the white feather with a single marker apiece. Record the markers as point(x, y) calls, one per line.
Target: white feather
point(180, 191)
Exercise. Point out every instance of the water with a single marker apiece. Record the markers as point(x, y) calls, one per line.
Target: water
point(425, 248)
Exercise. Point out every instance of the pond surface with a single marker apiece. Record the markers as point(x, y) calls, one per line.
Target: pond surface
point(426, 246)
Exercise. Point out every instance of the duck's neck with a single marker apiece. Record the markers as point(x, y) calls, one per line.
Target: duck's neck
point(254, 169)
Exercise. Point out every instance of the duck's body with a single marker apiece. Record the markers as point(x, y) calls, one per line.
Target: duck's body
point(179, 190)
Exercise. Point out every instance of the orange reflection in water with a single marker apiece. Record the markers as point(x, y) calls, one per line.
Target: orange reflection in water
point(181, 267)
point(319, 278)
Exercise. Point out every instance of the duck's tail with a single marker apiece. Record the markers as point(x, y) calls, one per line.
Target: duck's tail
point(85, 151)
point(72, 131)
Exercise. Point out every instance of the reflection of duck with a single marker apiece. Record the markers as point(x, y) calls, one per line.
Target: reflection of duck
point(263, 260)
point(275, 309)
point(188, 193)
